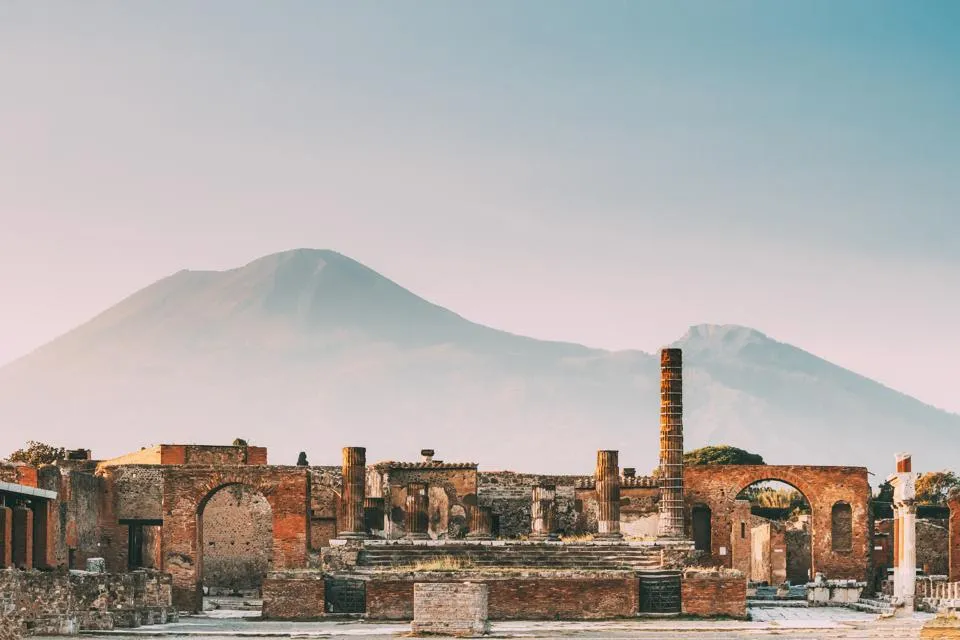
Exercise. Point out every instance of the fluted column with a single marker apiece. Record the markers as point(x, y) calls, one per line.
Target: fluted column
point(354, 485)
point(543, 512)
point(671, 444)
point(481, 523)
point(607, 476)
point(416, 514)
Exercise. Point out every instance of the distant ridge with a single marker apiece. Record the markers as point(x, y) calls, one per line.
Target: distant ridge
point(310, 350)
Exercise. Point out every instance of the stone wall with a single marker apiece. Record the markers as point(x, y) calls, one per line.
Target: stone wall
point(452, 489)
point(56, 603)
point(578, 596)
point(933, 546)
point(508, 494)
point(718, 485)
point(450, 609)
point(294, 595)
point(954, 539)
point(237, 539)
point(326, 484)
point(714, 594)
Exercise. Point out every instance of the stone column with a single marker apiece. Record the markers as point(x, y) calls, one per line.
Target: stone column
point(6, 537)
point(416, 514)
point(905, 533)
point(908, 555)
point(481, 523)
point(543, 515)
point(607, 477)
point(954, 539)
point(351, 500)
point(22, 537)
point(671, 444)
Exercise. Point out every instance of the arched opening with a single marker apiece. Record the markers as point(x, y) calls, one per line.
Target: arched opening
point(235, 541)
point(701, 523)
point(841, 527)
point(771, 533)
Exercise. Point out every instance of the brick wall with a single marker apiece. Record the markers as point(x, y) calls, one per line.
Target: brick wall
point(451, 489)
point(186, 489)
point(954, 539)
point(933, 546)
point(237, 539)
point(529, 598)
point(718, 485)
point(450, 609)
point(714, 594)
point(508, 494)
point(293, 596)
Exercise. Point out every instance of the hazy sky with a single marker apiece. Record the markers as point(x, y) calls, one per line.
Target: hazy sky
point(601, 172)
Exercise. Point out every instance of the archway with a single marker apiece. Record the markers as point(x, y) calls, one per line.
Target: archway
point(235, 541)
point(771, 533)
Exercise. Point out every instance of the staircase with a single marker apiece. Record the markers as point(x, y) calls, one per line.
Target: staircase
point(879, 606)
point(530, 556)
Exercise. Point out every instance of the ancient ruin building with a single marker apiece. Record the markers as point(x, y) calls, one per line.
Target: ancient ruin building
point(356, 537)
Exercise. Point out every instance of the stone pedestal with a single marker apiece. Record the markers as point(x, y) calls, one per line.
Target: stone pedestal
point(607, 477)
point(671, 444)
point(450, 609)
point(351, 500)
point(417, 522)
point(481, 523)
point(543, 512)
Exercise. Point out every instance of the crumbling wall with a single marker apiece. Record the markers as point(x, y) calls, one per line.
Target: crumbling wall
point(954, 539)
point(452, 488)
point(212, 455)
point(508, 494)
point(933, 546)
point(237, 539)
point(326, 484)
point(74, 526)
point(717, 486)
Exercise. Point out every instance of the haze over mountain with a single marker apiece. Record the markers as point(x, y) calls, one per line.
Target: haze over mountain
point(310, 350)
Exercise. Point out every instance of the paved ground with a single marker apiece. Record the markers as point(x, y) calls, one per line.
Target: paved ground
point(783, 624)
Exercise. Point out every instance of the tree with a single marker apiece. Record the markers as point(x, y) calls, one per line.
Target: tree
point(722, 454)
point(302, 460)
point(935, 487)
point(38, 453)
point(240, 442)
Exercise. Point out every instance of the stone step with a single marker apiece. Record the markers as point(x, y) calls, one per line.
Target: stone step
point(870, 605)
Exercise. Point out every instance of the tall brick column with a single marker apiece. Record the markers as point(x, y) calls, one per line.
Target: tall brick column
point(954, 539)
point(6, 537)
point(543, 514)
point(607, 477)
point(351, 500)
point(416, 515)
point(671, 444)
point(22, 537)
point(481, 523)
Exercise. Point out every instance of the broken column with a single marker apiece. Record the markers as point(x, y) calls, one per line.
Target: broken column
point(607, 477)
point(543, 514)
point(22, 535)
point(6, 537)
point(954, 540)
point(417, 523)
point(481, 523)
point(354, 485)
point(905, 533)
point(671, 444)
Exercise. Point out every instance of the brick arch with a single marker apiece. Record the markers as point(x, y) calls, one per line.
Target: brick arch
point(203, 573)
point(186, 490)
point(717, 486)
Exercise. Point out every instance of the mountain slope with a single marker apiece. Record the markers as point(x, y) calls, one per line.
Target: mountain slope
point(310, 350)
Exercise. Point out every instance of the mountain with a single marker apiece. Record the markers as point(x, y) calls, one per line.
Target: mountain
point(310, 350)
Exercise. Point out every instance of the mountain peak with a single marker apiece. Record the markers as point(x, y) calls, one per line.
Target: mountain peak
point(720, 337)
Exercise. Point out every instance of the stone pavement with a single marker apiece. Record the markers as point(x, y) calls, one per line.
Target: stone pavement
point(783, 624)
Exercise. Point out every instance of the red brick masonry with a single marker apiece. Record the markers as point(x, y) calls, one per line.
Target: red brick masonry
point(294, 597)
point(710, 594)
point(529, 598)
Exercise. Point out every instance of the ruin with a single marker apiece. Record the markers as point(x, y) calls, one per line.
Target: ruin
point(362, 538)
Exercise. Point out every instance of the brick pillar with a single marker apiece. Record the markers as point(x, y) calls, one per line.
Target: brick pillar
point(740, 536)
point(354, 484)
point(671, 444)
point(6, 537)
point(481, 523)
point(955, 539)
point(41, 535)
point(607, 476)
point(22, 538)
point(416, 514)
point(543, 514)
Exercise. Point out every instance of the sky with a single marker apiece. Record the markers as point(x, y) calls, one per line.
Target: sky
point(607, 173)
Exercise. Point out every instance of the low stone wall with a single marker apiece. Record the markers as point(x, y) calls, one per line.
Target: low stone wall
point(450, 609)
point(294, 595)
point(527, 596)
point(61, 603)
point(836, 593)
point(713, 594)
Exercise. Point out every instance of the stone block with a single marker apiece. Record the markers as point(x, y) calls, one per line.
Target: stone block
point(96, 565)
point(450, 609)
